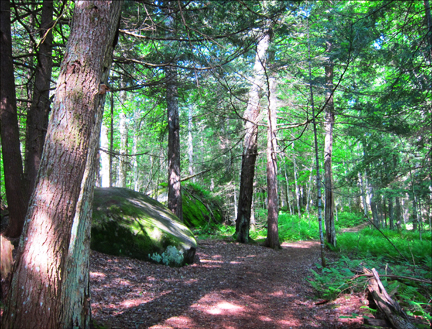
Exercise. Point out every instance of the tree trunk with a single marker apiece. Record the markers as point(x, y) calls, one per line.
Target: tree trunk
point(328, 146)
point(363, 194)
point(250, 142)
point(136, 140)
point(124, 132)
point(10, 139)
point(104, 157)
point(287, 190)
point(190, 143)
point(318, 179)
point(297, 188)
point(111, 143)
point(37, 116)
point(50, 261)
point(174, 187)
point(391, 213)
point(398, 213)
point(272, 240)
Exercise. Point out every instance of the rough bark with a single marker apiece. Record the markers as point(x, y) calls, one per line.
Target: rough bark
point(272, 240)
point(389, 307)
point(174, 187)
point(10, 139)
point(249, 155)
point(328, 148)
point(171, 80)
point(37, 116)
point(40, 296)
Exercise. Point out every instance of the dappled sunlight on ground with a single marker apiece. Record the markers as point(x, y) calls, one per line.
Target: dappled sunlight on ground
point(234, 286)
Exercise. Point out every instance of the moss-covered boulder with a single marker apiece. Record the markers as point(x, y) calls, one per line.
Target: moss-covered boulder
point(132, 224)
point(200, 207)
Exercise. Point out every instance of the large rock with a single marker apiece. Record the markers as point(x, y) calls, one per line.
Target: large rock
point(132, 224)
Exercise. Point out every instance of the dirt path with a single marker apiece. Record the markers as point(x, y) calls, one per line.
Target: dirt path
point(234, 286)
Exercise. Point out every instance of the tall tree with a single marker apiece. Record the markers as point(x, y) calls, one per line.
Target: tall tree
point(37, 297)
point(272, 240)
point(171, 80)
point(37, 116)
point(12, 160)
point(328, 149)
point(251, 117)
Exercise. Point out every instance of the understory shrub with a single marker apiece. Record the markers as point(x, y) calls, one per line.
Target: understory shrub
point(170, 257)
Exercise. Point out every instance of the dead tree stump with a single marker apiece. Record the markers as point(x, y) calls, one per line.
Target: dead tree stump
point(389, 307)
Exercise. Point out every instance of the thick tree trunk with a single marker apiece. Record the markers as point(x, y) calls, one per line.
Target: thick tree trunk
point(250, 143)
point(46, 256)
point(10, 139)
point(174, 187)
point(272, 240)
point(37, 116)
point(328, 146)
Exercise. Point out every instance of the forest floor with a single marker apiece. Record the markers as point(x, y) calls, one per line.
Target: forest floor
point(233, 286)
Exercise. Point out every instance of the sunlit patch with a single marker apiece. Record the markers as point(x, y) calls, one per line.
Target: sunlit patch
point(225, 308)
point(181, 322)
point(211, 261)
point(302, 245)
point(234, 262)
point(277, 293)
point(95, 275)
point(265, 318)
point(134, 302)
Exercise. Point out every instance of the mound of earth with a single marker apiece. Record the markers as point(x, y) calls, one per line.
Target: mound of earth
point(129, 223)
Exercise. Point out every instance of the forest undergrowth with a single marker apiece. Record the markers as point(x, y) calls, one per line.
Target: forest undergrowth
point(402, 258)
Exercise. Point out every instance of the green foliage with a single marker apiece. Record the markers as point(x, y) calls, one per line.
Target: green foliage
point(329, 282)
point(201, 209)
point(370, 242)
point(369, 249)
point(170, 257)
point(349, 219)
point(291, 228)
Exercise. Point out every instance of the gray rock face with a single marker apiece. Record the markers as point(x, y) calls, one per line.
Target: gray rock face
point(131, 224)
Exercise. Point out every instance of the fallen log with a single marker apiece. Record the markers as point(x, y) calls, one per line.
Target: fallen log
point(388, 307)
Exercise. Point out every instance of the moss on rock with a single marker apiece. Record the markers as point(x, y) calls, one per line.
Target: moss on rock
point(129, 223)
point(200, 207)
